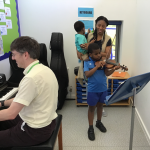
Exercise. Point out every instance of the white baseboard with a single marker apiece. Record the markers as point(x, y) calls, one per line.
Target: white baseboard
point(143, 126)
point(70, 96)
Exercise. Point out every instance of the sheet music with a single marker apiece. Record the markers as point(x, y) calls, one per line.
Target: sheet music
point(2, 4)
point(109, 96)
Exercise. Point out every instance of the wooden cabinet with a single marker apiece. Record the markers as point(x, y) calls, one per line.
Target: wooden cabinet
point(113, 82)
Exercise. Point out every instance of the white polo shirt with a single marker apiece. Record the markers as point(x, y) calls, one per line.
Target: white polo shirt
point(38, 91)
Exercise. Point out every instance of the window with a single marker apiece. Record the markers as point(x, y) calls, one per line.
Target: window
point(114, 31)
point(111, 31)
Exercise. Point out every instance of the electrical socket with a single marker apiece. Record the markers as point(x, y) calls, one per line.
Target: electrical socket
point(70, 88)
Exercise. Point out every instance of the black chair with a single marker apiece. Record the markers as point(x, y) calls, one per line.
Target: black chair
point(17, 73)
point(76, 70)
point(50, 143)
point(58, 66)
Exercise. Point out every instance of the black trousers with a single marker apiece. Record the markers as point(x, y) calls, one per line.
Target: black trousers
point(12, 135)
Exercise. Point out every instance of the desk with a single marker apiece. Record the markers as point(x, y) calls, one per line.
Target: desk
point(110, 87)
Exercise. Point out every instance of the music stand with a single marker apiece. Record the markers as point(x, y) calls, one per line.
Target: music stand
point(128, 88)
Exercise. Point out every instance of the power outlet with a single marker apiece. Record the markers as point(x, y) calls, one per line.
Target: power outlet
point(70, 88)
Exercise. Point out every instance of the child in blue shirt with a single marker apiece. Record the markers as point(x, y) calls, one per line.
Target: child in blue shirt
point(96, 73)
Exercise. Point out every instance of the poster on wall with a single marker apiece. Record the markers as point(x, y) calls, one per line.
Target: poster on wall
point(8, 23)
point(3, 29)
point(88, 24)
point(2, 17)
point(10, 29)
point(7, 1)
point(7, 12)
point(1, 4)
point(85, 12)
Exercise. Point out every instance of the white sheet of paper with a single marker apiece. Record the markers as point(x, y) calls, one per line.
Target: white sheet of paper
point(7, 1)
point(2, 17)
point(3, 29)
point(2, 4)
point(8, 24)
point(7, 12)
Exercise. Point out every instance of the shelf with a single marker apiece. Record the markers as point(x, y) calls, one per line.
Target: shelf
point(120, 103)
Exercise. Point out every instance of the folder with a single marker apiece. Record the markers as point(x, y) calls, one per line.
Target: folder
point(119, 74)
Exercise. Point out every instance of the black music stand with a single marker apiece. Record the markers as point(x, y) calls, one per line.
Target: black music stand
point(128, 88)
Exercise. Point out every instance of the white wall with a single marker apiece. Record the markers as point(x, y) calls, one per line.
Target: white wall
point(140, 63)
point(39, 18)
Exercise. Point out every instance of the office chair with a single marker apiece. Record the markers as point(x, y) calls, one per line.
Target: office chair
point(17, 73)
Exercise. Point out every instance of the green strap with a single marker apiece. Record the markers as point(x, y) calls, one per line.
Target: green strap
point(32, 67)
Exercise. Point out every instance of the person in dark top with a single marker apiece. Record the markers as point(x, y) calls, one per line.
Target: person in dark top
point(101, 37)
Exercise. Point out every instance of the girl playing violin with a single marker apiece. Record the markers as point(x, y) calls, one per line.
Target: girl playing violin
point(97, 86)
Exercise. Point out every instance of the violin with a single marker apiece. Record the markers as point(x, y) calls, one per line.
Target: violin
point(112, 63)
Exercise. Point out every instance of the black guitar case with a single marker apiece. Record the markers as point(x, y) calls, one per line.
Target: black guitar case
point(58, 66)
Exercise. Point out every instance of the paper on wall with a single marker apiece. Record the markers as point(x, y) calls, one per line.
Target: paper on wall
point(88, 24)
point(2, 17)
point(1, 4)
point(7, 12)
point(7, 1)
point(8, 24)
point(3, 29)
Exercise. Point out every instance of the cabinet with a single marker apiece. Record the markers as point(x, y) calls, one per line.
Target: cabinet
point(113, 83)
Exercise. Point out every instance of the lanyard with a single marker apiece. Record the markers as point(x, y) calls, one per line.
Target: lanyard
point(32, 67)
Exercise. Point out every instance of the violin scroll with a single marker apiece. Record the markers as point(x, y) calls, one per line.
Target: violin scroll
point(111, 63)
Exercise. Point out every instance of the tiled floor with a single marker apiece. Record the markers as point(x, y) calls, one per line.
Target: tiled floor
point(117, 122)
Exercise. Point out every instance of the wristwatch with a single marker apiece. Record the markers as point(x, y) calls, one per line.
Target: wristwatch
point(2, 103)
